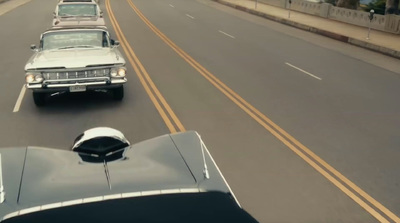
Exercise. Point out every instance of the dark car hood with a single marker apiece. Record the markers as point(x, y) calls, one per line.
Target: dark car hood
point(35, 176)
point(54, 175)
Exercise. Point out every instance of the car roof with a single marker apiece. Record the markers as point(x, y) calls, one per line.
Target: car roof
point(77, 1)
point(75, 28)
point(78, 22)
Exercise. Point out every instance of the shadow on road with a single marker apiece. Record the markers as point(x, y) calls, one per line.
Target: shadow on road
point(80, 102)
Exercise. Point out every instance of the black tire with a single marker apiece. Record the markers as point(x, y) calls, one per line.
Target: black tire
point(118, 93)
point(39, 99)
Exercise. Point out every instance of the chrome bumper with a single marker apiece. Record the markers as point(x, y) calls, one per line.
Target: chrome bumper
point(50, 86)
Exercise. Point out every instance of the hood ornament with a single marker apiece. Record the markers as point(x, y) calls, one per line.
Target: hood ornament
point(101, 144)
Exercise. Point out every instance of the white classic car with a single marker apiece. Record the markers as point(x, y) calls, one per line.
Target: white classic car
point(75, 60)
point(78, 14)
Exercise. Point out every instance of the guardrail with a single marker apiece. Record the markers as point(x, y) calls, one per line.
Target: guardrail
point(387, 23)
point(319, 9)
point(355, 17)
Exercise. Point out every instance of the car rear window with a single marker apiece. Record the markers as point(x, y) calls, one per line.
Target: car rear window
point(77, 10)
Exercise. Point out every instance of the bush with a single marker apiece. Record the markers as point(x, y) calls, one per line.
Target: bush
point(333, 2)
point(377, 5)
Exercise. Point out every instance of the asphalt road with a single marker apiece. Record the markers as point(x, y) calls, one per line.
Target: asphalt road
point(336, 100)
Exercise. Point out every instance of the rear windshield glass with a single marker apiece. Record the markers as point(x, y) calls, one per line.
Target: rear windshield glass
point(77, 10)
point(191, 207)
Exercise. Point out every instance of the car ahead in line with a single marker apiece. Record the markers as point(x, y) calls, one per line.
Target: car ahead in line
point(78, 14)
point(75, 59)
point(170, 178)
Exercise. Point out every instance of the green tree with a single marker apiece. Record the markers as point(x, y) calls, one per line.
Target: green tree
point(333, 2)
point(392, 7)
point(377, 5)
point(349, 4)
point(383, 7)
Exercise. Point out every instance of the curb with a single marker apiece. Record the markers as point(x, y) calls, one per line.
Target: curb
point(332, 35)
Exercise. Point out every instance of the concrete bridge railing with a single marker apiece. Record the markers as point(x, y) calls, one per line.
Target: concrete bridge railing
point(387, 23)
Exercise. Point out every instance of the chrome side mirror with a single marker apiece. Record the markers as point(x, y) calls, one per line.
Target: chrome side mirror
point(114, 43)
point(34, 48)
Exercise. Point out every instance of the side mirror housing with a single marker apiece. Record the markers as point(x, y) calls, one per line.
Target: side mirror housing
point(115, 43)
point(34, 48)
point(101, 14)
point(54, 15)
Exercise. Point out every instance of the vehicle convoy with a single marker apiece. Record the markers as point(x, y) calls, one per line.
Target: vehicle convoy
point(170, 178)
point(75, 59)
point(78, 14)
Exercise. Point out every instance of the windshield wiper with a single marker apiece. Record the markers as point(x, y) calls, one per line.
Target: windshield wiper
point(79, 46)
point(66, 47)
point(66, 15)
point(87, 46)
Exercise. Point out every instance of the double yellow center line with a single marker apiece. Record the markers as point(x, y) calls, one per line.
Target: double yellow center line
point(349, 188)
point(158, 100)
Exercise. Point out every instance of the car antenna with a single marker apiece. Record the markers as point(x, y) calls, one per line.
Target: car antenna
point(107, 173)
point(203, 147)
point(2, 192)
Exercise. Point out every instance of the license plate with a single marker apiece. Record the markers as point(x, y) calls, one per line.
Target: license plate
point(77, 88)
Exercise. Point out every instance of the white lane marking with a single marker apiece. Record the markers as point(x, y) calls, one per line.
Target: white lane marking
point(310, 74)
point(19, 100)
point(189, 16)
point(226, 34)
point(172, 6)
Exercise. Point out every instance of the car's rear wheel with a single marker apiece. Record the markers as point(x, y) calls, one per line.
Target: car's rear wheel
point(118, 93)
point(39, 98)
